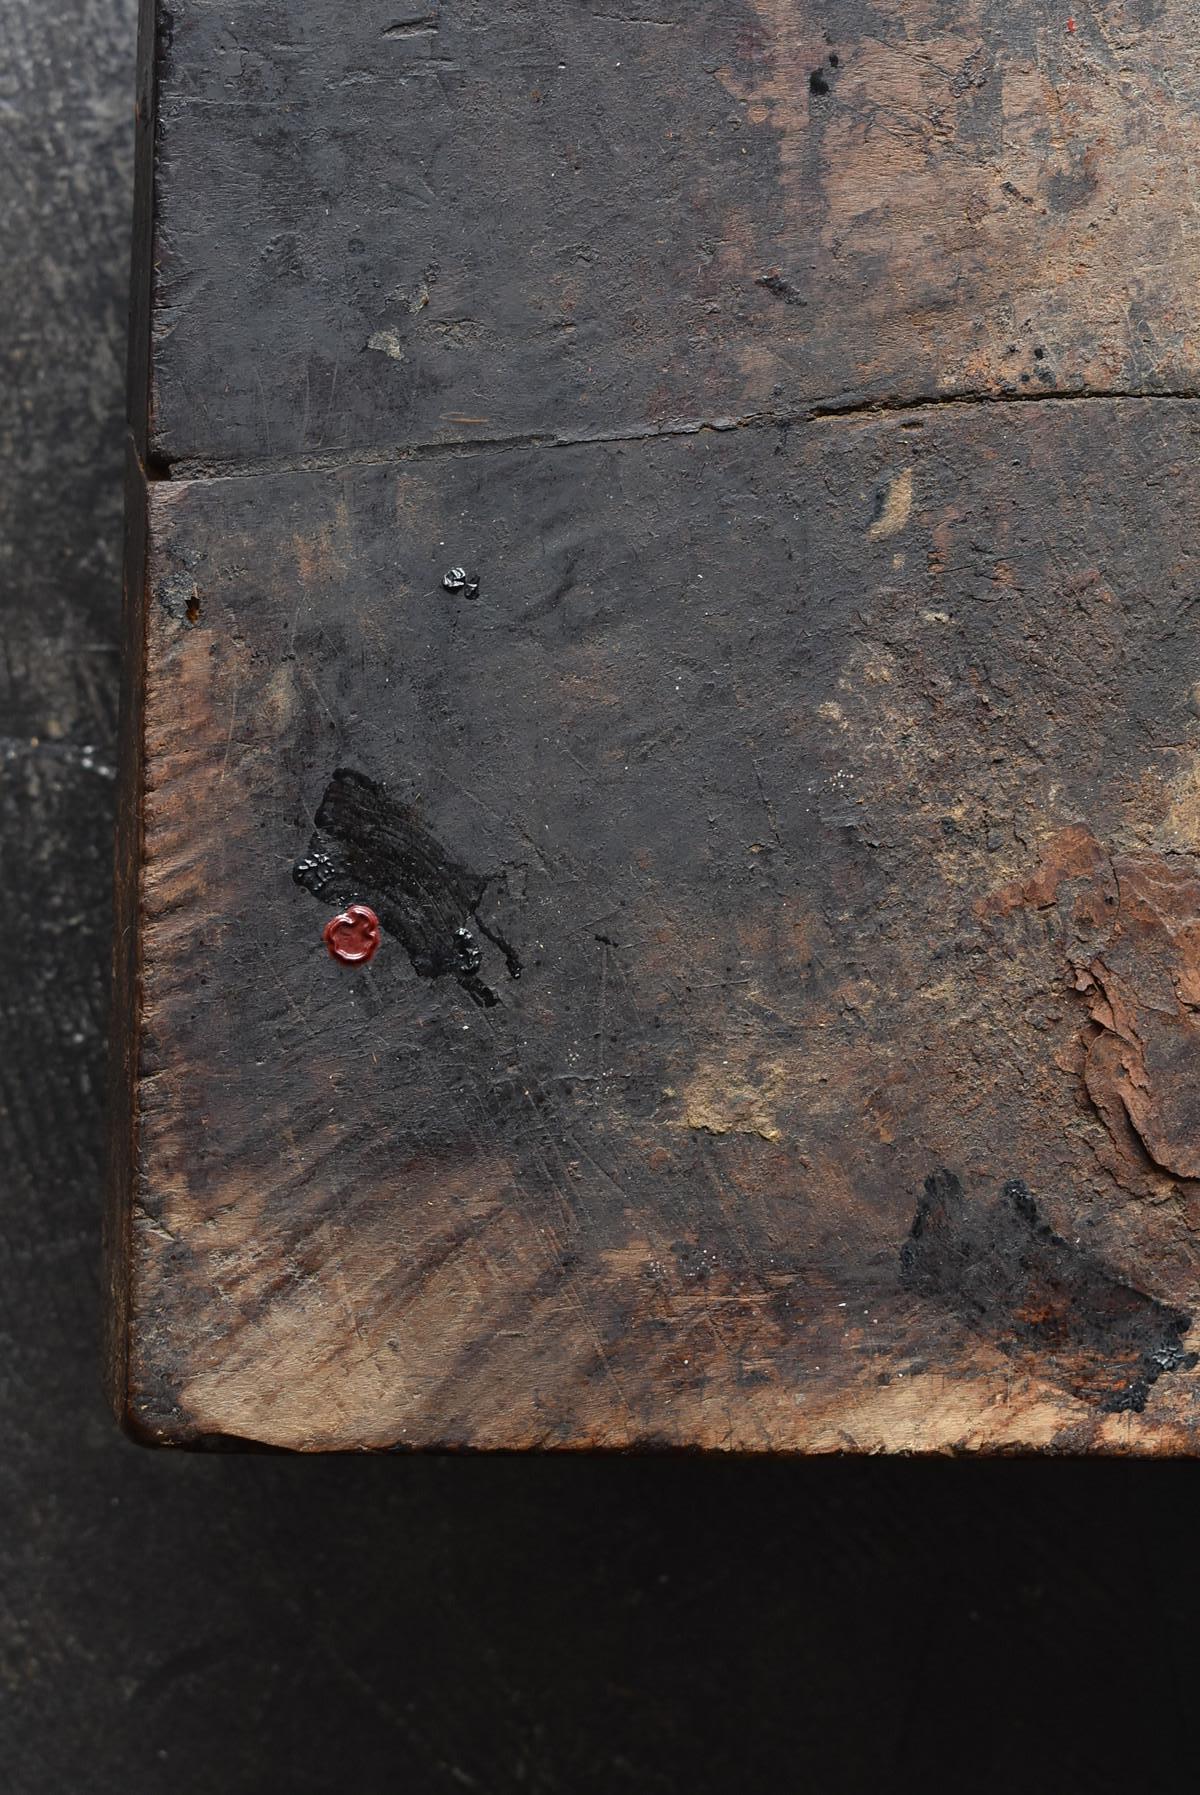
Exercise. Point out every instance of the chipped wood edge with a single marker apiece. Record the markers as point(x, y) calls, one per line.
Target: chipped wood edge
point(122, 1145)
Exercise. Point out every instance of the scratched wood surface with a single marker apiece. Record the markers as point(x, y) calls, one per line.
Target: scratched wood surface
point(785, 1032)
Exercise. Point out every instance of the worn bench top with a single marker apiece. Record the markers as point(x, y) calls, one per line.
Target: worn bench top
point(686, 517)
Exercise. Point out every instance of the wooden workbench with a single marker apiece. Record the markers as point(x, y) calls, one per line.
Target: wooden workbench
point(785, 830)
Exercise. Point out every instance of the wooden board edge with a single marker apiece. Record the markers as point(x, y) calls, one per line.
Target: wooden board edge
point(124, 1057)
point(125, 1030)
point(141, 282)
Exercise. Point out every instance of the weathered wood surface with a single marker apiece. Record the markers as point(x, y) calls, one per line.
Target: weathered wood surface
point(830, 780)
point(559, 217)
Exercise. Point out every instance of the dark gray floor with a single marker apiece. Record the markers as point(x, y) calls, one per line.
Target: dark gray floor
point(261, 1624)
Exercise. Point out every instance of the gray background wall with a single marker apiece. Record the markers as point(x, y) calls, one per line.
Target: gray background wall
point(243, 1624)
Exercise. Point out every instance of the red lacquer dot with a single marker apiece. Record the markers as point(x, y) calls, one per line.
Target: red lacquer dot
point(353, 937)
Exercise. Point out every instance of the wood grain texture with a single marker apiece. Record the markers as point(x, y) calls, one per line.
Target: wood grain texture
point(564, 216)
point(827, 770)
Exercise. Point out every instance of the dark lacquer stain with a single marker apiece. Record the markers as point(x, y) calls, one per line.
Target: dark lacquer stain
point(369, 849)
point(1012, 1279)
point(353, 935)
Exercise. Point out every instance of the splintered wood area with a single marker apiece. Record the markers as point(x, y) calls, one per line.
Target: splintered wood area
point(690, 521)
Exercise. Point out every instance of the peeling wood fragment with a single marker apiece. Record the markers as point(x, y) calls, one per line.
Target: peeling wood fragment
point(1132, 940)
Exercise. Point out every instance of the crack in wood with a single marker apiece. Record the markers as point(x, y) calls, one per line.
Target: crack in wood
point(187, 469)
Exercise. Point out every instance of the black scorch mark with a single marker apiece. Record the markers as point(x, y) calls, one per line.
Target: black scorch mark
point(369, 848)
point(1012, 1279)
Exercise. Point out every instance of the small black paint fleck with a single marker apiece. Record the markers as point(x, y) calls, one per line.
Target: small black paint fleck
point(881, 493)
point(1039, 354)
point(782, 289)
point(467, 953)
point(817, 83)
point(833, 59)
point(458, 580)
